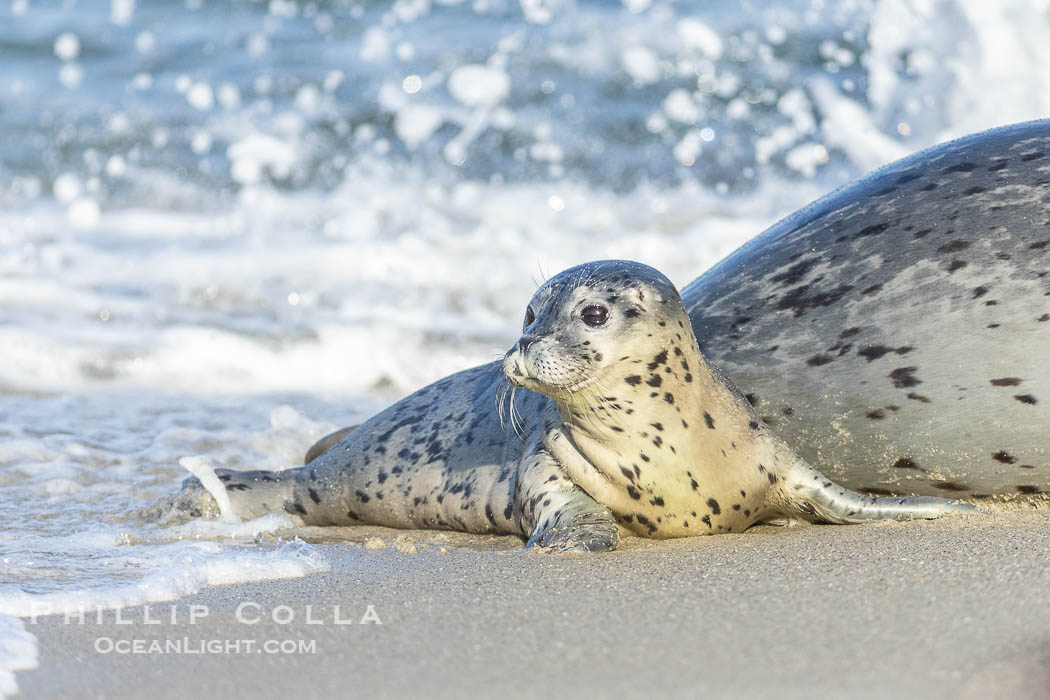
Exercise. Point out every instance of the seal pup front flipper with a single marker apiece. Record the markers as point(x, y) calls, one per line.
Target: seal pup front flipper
point(554, 512)
point(561, 516)
point(814, 497)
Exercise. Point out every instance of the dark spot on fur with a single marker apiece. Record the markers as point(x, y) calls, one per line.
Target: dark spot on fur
point(655, 380)
point(1004, 457)
point(819, 360)
point(294, 508)
point(658, 360)
point(1026, 398)
point(713, 505)
point(954, 246)
point(877, 414)
point(1028, 489)
point(918, 397)
point(645, 522)
point(793, 275)
point(960, 168)
point(872, 230)
point(800, 299)
point(1034, 155)
point(709, 421)
point(948, 486)
point(956, 265)
point(874, 352)
point(904, 377)
point(633, 380)
point(1005, 381)
point(314, 495)
point(905, 463)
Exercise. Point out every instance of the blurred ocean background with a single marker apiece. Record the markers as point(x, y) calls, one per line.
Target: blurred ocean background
point(229, 227)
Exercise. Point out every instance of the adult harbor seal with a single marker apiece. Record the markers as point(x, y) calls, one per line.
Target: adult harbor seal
point(623, 425)
point(897, 332)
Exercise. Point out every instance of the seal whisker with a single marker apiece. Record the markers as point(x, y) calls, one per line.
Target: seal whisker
point(502, 385)
point(515, 420)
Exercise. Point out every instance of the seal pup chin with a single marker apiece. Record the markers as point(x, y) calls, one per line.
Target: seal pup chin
point(603, 416)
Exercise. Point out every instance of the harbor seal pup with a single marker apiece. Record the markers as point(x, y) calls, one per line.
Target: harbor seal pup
point(623, 424)
point(897, 332)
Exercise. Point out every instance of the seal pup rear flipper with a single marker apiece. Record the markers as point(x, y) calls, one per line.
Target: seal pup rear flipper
point(252, 494)
point(814, 497)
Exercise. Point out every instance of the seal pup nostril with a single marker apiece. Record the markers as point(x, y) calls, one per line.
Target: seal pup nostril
point(525, 341)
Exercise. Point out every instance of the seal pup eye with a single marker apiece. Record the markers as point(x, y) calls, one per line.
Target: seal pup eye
point(594, 316)
point(529, 317)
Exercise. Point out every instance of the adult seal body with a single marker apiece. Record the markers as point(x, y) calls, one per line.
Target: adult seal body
point(623, 424)
point(897, 332)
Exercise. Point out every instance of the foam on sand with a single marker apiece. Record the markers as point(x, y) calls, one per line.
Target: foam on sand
point(177, 570)
point(18, 652)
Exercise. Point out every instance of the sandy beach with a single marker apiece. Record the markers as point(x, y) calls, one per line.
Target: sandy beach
point(950, 608)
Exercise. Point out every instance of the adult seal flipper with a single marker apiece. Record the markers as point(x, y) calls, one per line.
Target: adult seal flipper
point(896, 332)
point(622, 425)
point(326, 443)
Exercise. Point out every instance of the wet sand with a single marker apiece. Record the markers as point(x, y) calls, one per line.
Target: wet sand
point(958, 608)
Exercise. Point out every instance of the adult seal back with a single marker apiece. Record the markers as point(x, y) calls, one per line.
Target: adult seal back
point(897, 331)
point(622, 425)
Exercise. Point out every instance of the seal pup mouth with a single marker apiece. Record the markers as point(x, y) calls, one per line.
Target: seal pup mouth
point(562, 377)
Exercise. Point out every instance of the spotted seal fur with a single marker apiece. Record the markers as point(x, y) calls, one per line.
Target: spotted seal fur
point(623, 424)
point(897, 332)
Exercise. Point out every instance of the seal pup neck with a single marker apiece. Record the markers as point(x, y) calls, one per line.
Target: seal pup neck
point(646, 393)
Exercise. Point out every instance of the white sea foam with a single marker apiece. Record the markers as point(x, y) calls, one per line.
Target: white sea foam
point(174, 571)
point(18, 652)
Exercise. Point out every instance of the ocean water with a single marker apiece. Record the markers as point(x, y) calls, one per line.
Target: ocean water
point(227, 228)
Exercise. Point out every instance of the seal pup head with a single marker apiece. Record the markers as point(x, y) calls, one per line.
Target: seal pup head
point(590, 324)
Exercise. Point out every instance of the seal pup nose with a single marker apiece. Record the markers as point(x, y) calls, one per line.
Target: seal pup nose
point(525, 341)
